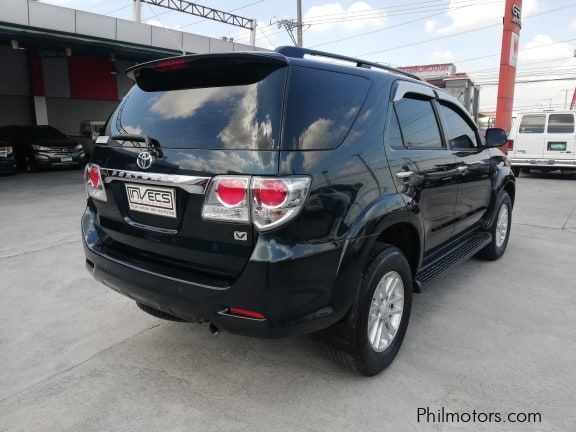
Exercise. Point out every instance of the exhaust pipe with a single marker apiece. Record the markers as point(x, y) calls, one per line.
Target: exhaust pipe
point(213, 329)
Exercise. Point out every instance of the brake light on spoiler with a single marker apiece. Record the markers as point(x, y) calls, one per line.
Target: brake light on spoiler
point(267, 202)
point(172, 64)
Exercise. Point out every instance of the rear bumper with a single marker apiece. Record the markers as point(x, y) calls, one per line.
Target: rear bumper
point(295, 294)
point(7, 166)
point(543, 163)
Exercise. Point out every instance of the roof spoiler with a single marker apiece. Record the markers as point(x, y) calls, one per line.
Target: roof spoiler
point(206, 70)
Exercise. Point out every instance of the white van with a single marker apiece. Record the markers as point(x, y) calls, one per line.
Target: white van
point(544, 141)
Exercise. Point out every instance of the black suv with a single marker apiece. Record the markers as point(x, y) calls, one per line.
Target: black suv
point(276, 194)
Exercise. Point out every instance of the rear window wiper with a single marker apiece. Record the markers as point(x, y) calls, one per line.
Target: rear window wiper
point(150, 143)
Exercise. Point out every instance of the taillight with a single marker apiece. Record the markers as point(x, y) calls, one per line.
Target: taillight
point(271, 193)
point(277, 200)
point(510, 145)
point(266, 201)
point(231, 192)
point(94, 184)
point(227, 199)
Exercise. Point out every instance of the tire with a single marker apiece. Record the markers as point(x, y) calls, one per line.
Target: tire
point(387, 266)
point(159, 314)
point(516, 171)
point(497, 246)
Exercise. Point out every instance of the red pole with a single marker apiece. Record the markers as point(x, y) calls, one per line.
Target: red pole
point(508, 59)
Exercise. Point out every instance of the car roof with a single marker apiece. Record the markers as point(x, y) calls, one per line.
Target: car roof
point(290, 55)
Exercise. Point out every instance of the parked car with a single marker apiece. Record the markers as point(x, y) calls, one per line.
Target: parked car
point(7, 160)
point(42, 147)
point(293, 196)
point(543, 141)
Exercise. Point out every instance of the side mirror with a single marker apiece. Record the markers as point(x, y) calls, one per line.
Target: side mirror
point(496, 137)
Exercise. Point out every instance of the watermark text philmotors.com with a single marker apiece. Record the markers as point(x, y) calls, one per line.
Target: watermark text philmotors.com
point(441, 415)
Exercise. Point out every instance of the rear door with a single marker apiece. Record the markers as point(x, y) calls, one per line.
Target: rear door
point(182, 124)
point(529, 142)
point(423, 168)
point(560, 143)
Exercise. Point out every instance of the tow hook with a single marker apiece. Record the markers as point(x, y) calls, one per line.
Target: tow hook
point(213, 329)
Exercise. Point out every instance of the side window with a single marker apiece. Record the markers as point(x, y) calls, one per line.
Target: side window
point(561, 123)
point(321, 107)
point(532, 124)
point(418, 124)
point(393, 134)
point(460, 134)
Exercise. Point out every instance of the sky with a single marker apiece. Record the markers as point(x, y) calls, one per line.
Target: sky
point(404, 32)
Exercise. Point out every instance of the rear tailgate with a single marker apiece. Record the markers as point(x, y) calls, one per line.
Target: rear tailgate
point(194, 117)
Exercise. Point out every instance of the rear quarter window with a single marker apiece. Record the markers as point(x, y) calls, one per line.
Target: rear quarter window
point(321, 107)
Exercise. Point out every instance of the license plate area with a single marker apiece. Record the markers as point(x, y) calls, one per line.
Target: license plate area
point(153, 200)
point(66, 159)
point(557, 146)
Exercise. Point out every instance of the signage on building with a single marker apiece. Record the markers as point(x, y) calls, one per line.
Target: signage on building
point(431, 71)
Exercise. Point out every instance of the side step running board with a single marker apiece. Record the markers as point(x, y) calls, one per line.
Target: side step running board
point(463, 251)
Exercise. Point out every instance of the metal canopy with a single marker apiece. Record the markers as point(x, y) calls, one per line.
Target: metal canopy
point(204, 12)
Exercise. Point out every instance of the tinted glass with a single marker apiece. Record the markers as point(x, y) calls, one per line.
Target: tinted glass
point(321, 107)
point(460, 134)
point(393, 133)
point(532, 124)
point(561, 123)
point(418, 123)
point(232, 117)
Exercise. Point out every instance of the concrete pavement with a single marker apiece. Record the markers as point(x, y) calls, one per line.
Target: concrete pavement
point(76, 356)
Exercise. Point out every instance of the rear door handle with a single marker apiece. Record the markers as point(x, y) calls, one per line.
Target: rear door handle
point(403, 175)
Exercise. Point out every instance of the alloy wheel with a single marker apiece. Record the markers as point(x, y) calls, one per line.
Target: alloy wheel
point(386, 311)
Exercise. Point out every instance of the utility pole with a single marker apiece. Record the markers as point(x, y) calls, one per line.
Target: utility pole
point(137, 11)
point(253, 33)
point(299, 23)
point(566, 98)
point(508, 59)
point(291, 24)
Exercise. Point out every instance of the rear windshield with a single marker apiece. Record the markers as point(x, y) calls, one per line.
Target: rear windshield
point(561, 123)
point(242, 117)
point(321, 107)
point(532, 124)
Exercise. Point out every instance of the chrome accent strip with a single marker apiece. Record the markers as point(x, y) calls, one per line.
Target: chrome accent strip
point(149, 227)
point(191, 184)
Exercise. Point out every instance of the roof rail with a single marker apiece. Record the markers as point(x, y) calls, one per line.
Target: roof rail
point(297, 52)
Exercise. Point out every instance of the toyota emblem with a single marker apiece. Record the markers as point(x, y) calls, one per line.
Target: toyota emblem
point(145, 160)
